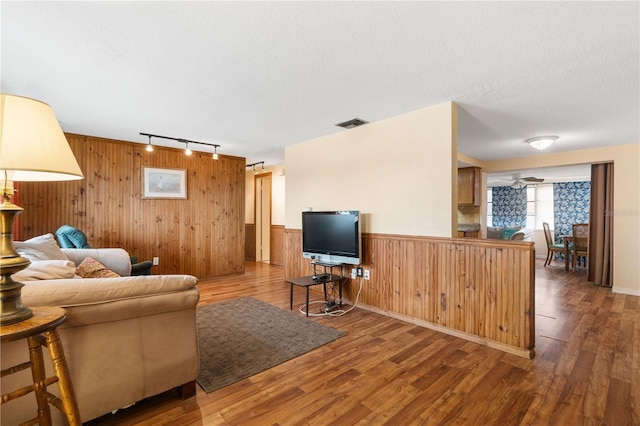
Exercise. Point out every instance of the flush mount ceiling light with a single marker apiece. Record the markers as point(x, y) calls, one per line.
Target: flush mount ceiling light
point(541, 142)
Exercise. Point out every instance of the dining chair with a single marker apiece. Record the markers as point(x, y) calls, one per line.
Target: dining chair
point(551, 246)
point(580, 246)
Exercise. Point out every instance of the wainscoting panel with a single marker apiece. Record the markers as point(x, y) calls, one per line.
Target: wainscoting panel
point(250, 242)
point(277, 245)
point(481, 290)
point(202, 235)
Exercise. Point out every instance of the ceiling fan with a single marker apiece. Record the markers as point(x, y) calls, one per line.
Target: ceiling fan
point(521, 182)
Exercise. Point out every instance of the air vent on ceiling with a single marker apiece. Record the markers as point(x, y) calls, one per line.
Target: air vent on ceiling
point(355, 122)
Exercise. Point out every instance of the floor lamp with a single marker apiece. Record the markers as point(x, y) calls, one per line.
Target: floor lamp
point(33, 148)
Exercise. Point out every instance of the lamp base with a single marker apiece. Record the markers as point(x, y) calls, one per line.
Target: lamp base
point(11, 308)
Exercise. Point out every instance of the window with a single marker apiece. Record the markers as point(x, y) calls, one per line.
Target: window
point(531, 206)
point(544, 206)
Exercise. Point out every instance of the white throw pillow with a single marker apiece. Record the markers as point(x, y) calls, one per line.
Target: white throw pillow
point(43, 247)
point(46, 270)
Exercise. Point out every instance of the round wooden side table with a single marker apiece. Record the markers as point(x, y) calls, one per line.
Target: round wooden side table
point(40, 330)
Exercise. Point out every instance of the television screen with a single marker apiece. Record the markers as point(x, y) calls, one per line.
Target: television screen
point(332, 236)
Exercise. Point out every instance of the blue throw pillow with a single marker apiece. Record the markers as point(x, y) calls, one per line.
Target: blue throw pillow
point(70, 237)
point(508, 232)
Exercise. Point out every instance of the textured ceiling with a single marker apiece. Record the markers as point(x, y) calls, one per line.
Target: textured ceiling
point(258, 76)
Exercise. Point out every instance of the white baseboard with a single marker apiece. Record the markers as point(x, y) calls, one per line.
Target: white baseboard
point(627, 291)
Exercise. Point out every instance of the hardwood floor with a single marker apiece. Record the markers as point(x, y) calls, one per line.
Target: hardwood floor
point(385, 371)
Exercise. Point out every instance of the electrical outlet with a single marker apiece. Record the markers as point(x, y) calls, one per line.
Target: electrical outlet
point(156, 261)
point(359, 271)
point(353, 273)
point(367, 274)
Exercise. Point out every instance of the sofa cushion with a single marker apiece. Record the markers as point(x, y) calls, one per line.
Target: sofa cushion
point(43, 247)
point(46, 270)
point(91, 268)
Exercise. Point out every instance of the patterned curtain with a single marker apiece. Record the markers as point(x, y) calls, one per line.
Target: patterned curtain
point(571, 202)
point(509, 206)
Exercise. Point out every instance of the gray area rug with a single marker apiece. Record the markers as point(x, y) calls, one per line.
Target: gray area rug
point(242, 337)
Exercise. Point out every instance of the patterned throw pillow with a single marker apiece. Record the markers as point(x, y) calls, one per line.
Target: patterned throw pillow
point(91, 268)
point(508, 232)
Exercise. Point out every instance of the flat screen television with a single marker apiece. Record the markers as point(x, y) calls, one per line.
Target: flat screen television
point(332, 236)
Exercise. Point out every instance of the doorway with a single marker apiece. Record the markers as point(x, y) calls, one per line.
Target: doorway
point(263, 217)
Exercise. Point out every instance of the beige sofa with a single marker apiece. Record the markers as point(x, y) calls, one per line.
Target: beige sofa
point(125, 338)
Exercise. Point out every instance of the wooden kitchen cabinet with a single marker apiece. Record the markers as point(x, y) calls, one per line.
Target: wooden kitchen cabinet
point(469, 186)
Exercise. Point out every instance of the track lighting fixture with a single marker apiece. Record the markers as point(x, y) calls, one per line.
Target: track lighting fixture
point(187, 151)
point(253, 166)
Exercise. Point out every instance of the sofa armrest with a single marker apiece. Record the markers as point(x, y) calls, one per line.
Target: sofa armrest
point(522, 235)
point(116, 259)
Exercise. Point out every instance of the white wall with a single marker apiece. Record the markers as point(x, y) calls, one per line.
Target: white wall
point(277, 194)
point(398, 172)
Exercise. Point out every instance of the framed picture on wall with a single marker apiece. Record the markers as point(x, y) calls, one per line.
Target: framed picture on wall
point(164, 183)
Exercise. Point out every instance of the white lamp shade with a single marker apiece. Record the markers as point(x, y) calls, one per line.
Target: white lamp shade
point(32, 145)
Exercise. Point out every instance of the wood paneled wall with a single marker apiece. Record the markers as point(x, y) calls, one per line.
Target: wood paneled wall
point(250, 242)
point(481, 290)
point(202, 235)
point(277, 245)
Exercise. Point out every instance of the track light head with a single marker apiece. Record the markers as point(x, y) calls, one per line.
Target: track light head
point(149, 147)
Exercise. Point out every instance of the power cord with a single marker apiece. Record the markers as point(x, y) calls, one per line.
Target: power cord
point(327, 313)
